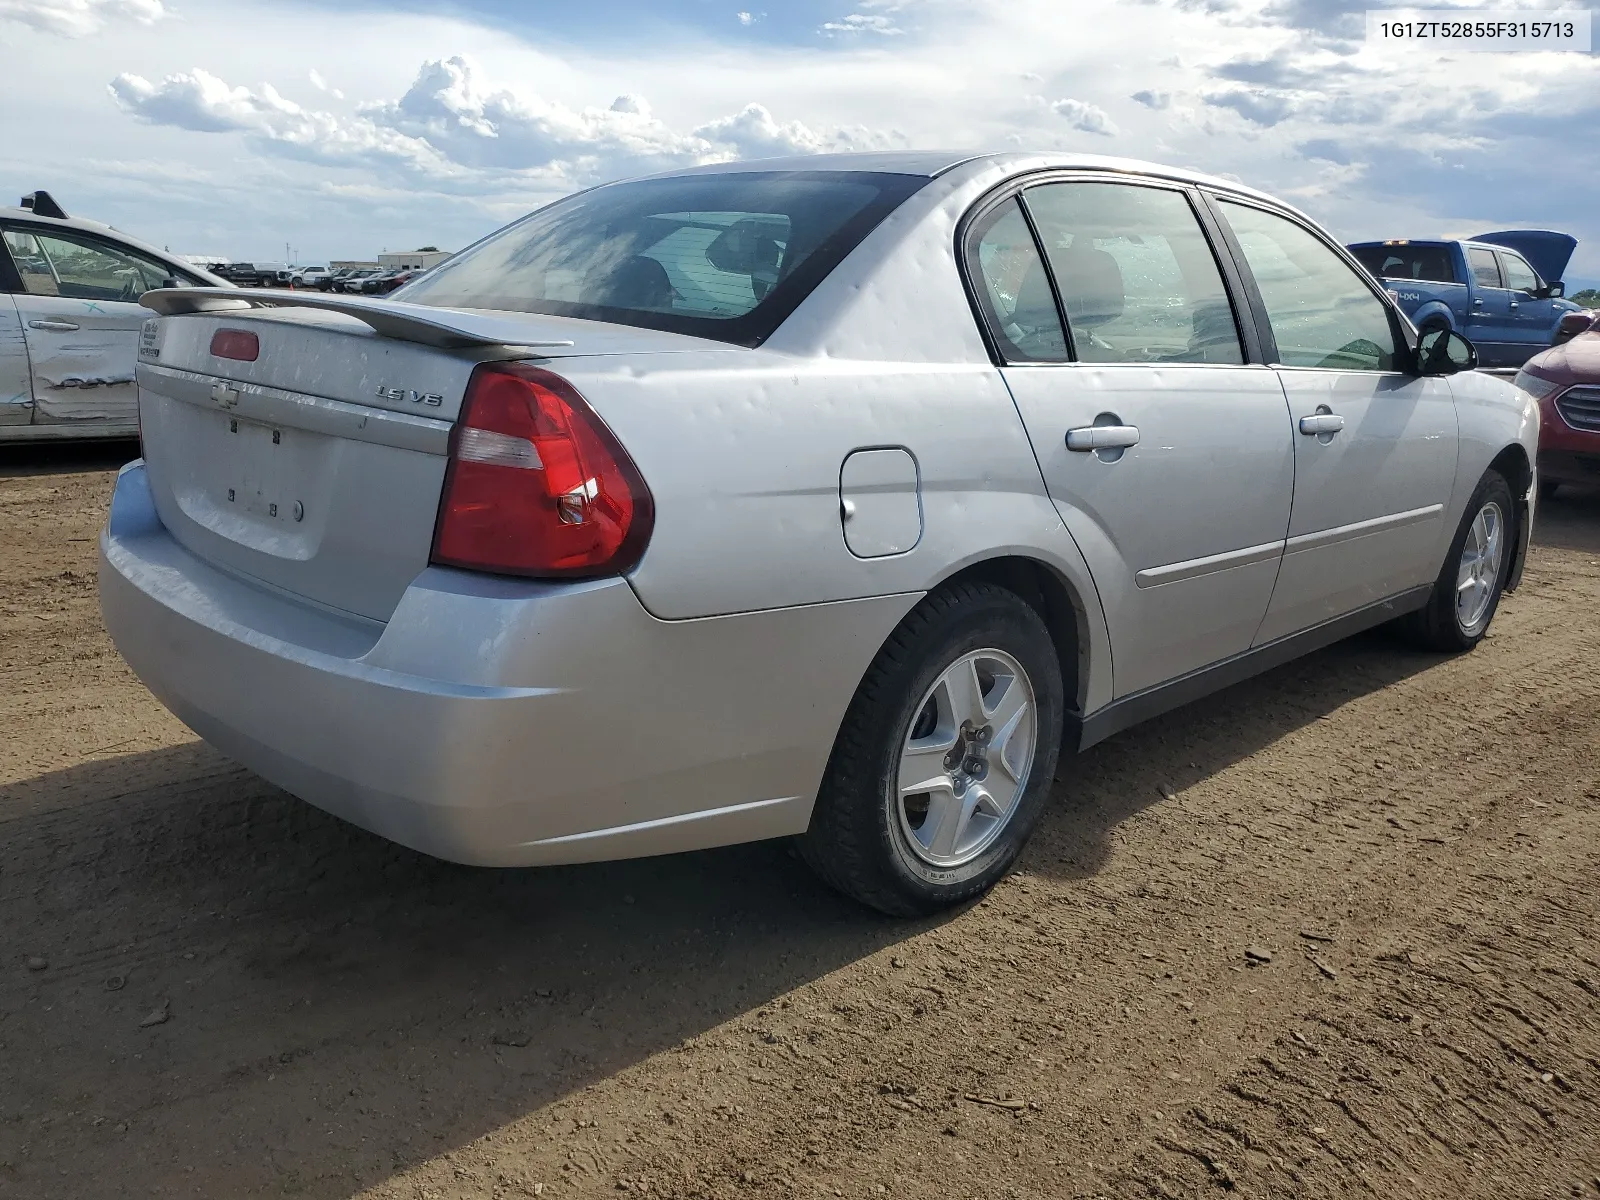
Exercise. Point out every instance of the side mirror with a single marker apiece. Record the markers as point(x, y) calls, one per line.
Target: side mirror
point(1445, 352)
point(1553, 291)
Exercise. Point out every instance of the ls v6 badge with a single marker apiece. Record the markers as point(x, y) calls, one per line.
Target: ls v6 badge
point(400, 395)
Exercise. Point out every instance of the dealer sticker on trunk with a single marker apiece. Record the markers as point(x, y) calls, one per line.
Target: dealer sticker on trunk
point(150, 338)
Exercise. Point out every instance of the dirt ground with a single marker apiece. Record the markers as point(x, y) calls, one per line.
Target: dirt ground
point(208, 988)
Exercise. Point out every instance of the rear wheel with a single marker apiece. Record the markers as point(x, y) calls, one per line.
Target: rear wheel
point(1467, 593)
point(946, 756)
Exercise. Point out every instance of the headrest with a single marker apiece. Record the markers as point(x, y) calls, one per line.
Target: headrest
point(1091, 285)
point(639, 282)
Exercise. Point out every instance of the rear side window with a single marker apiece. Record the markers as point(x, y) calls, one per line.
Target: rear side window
point(1323, 313)
point(722, 255)
point(1136, 274)
point(1430, 264)
point(1485, 271)
point(1014, 289)
point(1520, 277)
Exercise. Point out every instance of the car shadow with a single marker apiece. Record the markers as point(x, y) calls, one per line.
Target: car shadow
point(226, 964)
point(1570, 520)
point(63, 458)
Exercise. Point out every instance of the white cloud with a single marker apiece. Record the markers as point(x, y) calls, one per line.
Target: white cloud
point(199, 101)
point(79, 18)
point(745, 18)
point(863, 23)
point(453, 123)
point(1152, 98)
point(1083, 116)
point(753, 133)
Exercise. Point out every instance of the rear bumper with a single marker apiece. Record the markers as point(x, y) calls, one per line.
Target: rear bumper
point(492, 721)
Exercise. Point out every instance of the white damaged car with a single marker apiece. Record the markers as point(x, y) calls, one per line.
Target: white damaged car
point(70, 321)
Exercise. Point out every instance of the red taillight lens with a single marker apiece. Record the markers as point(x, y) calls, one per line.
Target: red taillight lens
point(537, 485)
point(236, 343)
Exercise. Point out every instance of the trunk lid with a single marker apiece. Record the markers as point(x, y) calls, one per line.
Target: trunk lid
point(317, 467)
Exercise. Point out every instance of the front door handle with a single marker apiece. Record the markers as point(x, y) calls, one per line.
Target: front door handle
point(1514, 306)
point(1323, 422)
point(54, 326)
point(1102, 437)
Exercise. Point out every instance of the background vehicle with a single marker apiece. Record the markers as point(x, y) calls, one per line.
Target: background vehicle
point(70, 321)
point(1034, 446)
point(1566, 381)
point(311, 277)
point(388, 281)
point(1501, 290)
point(352, 283)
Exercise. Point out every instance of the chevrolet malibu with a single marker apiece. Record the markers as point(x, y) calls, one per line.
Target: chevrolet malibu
point(829, 498)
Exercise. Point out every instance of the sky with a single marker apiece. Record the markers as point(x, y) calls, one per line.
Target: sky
point(251, 129)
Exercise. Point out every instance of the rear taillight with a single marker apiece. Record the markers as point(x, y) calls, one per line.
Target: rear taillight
point(537, 485)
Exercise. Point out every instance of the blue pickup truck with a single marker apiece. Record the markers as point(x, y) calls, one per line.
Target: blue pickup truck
point(1501, 291)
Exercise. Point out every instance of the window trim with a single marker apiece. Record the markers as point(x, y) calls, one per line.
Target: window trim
point(1538, 280)
point(1401, 329)
point(978, 297)
point(1499, 268)
point(1014, 187)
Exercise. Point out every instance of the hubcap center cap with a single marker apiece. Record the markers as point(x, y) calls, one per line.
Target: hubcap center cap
point(968, 759)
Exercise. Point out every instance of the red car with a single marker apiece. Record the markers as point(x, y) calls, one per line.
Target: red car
point(1566, 379)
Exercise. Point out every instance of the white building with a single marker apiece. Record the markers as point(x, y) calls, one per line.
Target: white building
point(416, 260)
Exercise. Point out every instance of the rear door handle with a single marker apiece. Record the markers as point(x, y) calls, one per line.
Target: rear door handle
point(54, 326)
point(1322, 423)
point(1102, 437)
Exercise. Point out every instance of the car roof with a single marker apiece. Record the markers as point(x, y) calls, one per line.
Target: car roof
point(26, 216)
point(932, 163)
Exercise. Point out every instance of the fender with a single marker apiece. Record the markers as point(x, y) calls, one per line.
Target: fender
point(1434, 310)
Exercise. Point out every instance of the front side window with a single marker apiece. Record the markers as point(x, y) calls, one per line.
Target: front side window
point(1014, 289)
point(58, 264)
point(1137, 277)
point(720, 255)
point(1485, 271)
point(1520, 277)
point(1322, 312)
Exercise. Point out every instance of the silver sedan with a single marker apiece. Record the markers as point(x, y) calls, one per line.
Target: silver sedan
point(828, 498)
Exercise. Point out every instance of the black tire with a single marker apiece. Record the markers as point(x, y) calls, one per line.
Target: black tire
point(1438, 625)
point(856, 842)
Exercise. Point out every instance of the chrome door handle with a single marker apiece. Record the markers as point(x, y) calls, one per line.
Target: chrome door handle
point(1477, 304)
point(54, 326)
point(1102, 437)
point(1322, 423)
point(1514, 306)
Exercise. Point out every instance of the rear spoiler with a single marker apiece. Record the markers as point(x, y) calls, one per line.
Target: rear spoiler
point(419, 323)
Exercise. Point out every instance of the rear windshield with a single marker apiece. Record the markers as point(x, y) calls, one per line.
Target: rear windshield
point(724, 256)
point(1433, 264)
